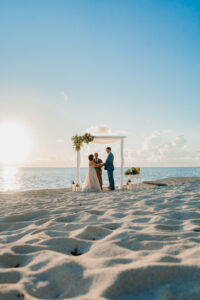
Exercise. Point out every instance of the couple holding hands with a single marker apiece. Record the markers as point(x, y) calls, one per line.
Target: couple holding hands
point(93, 181)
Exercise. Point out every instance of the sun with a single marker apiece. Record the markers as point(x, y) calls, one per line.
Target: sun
point(15, 143)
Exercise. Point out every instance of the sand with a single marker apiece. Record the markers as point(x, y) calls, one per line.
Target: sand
point(137, 244)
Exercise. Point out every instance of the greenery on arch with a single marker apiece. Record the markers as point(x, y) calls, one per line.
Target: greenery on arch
point(78, 140)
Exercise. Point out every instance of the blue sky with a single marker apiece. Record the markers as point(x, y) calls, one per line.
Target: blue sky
point(132, 65)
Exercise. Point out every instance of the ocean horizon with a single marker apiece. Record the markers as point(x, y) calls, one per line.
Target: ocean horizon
point(24, 179)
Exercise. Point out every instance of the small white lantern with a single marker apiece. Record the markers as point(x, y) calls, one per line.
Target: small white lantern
point(78, 188)
point(129, 185)
point(73, 186)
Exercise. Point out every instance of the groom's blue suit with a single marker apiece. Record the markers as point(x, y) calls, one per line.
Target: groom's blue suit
point(110, 168)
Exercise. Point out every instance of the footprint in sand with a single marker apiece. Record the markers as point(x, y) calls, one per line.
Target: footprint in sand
point(67, 245)
point(60, 279)
point(8, 260)
point(111, 226)
point(170, 259)
point(68, 218)
point(141, 220)
point(134, 245)
point(8, 293)
point(96, 212)
point(116, 261)
point(9, 277)
point(130, 282)
point(93, 233)
point(28, 216)
point(23, 249)
point(168, 227)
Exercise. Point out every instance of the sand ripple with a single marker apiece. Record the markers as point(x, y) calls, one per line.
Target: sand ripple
point(142, 244)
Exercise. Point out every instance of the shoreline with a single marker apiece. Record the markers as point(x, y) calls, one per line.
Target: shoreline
point(164, 181)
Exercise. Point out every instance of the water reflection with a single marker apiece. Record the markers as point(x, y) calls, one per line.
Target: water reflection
point(22, 179)
point(8, 178)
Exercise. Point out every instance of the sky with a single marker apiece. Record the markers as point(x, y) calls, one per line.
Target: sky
point(109, 67)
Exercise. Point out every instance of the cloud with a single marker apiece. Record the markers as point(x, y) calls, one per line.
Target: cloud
point(105, 130)
point(160, 148)
point(156, 148)
point(64, 96)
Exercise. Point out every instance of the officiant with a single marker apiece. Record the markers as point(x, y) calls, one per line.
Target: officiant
point(97, 160)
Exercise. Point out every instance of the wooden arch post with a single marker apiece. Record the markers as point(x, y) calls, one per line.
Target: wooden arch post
point(122, 164)
point(78, 167)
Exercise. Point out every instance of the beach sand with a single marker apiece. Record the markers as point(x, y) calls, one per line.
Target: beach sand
point(130, 244)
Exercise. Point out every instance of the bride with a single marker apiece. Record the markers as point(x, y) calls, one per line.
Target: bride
point(91, 183)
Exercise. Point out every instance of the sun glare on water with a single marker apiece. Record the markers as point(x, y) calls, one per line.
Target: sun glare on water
point(15, 143)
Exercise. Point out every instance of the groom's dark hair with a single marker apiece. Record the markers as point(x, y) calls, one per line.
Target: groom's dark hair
point(108, 148)
point(91, 157)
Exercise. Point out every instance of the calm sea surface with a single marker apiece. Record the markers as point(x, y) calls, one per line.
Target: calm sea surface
point(48, 178)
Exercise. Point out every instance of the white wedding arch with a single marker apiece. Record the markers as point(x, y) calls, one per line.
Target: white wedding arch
point(105, 140)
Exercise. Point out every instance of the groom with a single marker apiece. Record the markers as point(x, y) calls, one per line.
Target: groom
point(108, 165)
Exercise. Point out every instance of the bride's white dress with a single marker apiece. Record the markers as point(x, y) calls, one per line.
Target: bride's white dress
point(91, 183)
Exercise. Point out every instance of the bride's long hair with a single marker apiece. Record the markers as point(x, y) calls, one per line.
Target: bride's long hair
point(91, 157)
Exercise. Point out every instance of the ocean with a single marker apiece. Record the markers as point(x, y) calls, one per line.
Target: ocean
point(22, 179)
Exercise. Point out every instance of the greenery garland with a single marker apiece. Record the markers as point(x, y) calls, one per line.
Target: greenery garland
point(79, 140)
